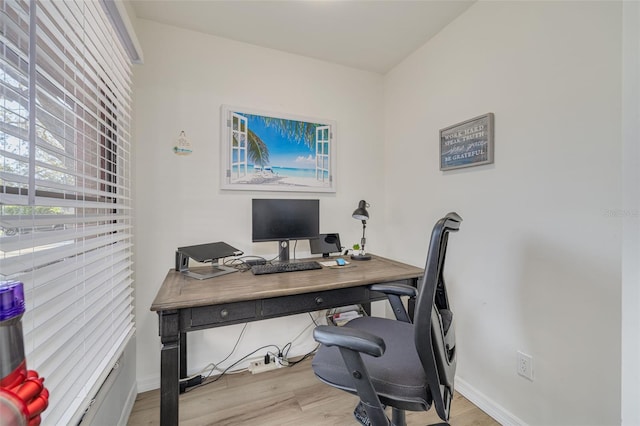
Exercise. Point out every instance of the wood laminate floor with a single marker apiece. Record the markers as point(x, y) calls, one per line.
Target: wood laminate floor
point(284, 397)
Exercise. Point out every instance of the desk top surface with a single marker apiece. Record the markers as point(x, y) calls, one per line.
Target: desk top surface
point(179, 291)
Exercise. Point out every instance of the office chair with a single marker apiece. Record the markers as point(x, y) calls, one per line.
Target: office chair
point(397, 363)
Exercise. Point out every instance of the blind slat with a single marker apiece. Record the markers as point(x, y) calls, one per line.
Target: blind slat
point(44, 296)
point(42, 277)
point(27, 262)
point(53, 237)
point(60, 219)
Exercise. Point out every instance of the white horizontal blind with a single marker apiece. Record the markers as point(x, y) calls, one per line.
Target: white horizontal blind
point(65, 191)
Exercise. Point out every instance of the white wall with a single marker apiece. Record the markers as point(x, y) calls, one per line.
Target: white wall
point(631, 215)
point(185, 79)
point(536, 264)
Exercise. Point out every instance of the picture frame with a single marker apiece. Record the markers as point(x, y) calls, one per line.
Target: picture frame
point(270, 151)
point(468, 143)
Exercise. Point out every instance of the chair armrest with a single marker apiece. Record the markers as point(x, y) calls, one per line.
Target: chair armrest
point(350, 338)
point(393, 292)
point(395, 288)
point(352, 343)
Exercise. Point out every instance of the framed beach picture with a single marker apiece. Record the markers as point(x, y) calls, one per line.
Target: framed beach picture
point(267, 151)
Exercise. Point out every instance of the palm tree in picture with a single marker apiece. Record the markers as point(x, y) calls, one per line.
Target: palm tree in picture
point(257, 150)
point(293, 130)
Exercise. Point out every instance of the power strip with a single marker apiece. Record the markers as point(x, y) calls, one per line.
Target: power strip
point(258, 365)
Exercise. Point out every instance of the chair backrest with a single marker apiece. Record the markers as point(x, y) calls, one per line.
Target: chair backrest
point(433, 319)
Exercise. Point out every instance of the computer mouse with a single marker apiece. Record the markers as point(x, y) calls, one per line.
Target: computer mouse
point(340, 261)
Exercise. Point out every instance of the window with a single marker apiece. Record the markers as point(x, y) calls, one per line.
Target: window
point(65, 192)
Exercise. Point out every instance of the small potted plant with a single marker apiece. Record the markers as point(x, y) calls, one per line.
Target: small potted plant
point(359, 254)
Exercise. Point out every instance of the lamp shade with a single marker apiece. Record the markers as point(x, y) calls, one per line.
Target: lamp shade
point(361, 212)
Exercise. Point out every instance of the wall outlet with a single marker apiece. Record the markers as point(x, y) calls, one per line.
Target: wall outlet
point(257, 365)
point(524, 366)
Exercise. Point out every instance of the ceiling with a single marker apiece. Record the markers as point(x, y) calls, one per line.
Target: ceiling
point(372, 35)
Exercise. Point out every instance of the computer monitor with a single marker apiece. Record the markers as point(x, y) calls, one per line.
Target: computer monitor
point(325, 244)
point(283, 220)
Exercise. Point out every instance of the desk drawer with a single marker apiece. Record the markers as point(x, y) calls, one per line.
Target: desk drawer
point(229, 312)
point(314, 301)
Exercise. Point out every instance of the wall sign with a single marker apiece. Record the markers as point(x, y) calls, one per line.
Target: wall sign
point(183, 146)
point(466, 144)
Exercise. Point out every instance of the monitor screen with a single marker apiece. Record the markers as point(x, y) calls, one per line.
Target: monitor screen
point(281, 220)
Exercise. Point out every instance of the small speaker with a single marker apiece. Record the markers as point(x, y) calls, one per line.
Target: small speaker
point(325, 244)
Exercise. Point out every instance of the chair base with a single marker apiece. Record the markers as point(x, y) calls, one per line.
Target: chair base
point(361, 415)
point(398, 417)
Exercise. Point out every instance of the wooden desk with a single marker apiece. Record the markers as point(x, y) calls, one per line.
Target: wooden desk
point(185, 304)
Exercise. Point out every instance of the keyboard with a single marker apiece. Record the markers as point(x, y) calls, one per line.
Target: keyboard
point(277, 268)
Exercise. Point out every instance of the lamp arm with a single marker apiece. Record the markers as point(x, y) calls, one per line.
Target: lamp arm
point(363, 239)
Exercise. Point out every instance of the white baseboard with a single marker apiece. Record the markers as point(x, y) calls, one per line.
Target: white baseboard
point(149, 383)
point(126, 410)
point(486, 404)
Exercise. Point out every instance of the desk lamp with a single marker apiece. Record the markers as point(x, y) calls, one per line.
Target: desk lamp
point(362, 214)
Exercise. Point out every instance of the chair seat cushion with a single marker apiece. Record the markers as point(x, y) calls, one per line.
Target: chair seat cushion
point(397, 375)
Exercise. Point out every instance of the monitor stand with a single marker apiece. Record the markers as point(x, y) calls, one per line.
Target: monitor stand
point(283, 251)
point(200, 272)
point(205, 272)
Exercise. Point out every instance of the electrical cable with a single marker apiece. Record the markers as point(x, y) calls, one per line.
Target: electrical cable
point(286, 352)
point(236, 344)
point(305, 356)
point(214, 366)
point(280, 356)
point(241, 263)
point(275, 257)
point(204, 382)
point(313, 319)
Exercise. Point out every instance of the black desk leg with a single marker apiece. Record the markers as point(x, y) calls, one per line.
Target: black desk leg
point(169, 366)
point(366, 307)
point(183, 355)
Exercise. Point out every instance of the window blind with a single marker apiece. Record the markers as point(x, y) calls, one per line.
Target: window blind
point(65, 192)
